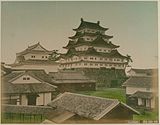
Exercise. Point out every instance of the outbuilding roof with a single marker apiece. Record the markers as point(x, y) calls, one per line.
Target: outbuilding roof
point(87, 106)
point(35, 62)
point(26, 109)
point(69, 76)
point(148, 72)
point(139, 81)
point(9, 88)
point(140, 94)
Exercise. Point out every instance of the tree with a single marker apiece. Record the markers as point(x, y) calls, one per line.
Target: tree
point(128, 60)
point(54, 56)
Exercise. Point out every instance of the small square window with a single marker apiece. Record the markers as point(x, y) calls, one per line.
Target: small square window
point(24, 78)
point(91, 64)
point(85, 64)
point(42, 56)
point(91, 58)
point(28, 78)
point(46, 57)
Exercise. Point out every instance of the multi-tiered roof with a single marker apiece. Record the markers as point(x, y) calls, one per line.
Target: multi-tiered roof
point(98, 38)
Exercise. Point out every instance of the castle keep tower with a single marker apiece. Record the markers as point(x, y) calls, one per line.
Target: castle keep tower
point(90, 47)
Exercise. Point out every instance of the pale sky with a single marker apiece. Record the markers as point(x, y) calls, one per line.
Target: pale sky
point(134, 26)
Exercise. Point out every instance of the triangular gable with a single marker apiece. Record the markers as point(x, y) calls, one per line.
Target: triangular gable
point(113, 106)
point(40, 48)
point(25, 78)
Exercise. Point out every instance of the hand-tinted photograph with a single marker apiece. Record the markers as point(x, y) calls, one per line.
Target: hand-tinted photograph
point(84, 62)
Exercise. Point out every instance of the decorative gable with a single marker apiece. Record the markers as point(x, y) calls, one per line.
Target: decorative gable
point(39, 47)
point(25, 79)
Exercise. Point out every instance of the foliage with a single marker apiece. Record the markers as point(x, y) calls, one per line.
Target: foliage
point(113, 93)
point(21, 118)
point(106, 77)
point(54, 55)
point(146, 115)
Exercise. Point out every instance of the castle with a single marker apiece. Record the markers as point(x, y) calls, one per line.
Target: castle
point(90, 47)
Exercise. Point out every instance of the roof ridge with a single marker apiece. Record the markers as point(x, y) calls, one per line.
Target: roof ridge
point(16, 77)
point(90, 96)
point(27, 106)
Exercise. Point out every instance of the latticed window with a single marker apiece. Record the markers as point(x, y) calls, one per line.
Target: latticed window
point(28, 78)
point(85, 64)
point(91, 58)
point(24, 78)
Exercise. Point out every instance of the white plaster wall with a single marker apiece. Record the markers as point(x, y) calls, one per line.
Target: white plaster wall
point(132, 90)
point(103, 49)
point(24, 100)
point(89, 38)
point(147, 103)
point(47, 98)
point(139, 101)
point(153, 103)
point(43, 99)
point(37, 56)
point(81, 48)
point(21, 81)
point(89, 65)
point(98, 49)
point(40, 99)
point(47, 68)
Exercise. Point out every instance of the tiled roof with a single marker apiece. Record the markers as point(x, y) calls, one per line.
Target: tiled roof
point(30, 49)
point(144, 71)
point(91, 51)
point(86, 106)
point(79, 34)
point(5, 69)
point(140, 94)
point(139, 81)
point(35, 62)
point(69, 76)
point(98, 42)
point(26, 109)
point(44, 86)
point(91, 25)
